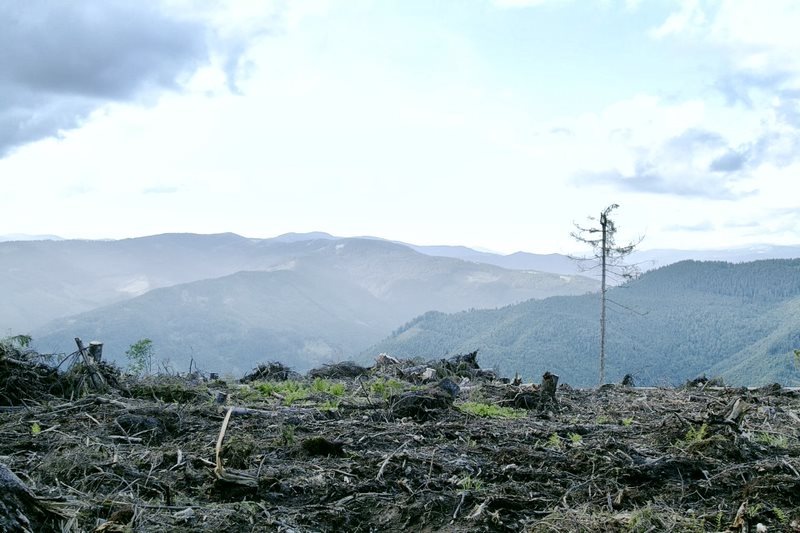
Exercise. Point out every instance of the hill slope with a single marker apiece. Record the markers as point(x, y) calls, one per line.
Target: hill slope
point(44, 280)
point(330, 299)
point(672, 324)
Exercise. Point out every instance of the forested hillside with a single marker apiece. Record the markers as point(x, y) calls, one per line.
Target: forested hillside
point(738, 321)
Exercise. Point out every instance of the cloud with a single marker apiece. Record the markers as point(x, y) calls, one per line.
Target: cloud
point(724, 146)
point(62, 60)
point(160, 189)
point(739, 223)
point(698, 227)
point(525, 3)
point(648, 179)
point(759, 67)
point(728, 162)
point(737, 85)
point(689, 16)
point(787, 107)
point(696, 163)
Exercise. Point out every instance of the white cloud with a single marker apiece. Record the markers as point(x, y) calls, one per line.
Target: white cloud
point(706, 147)
point(526, 3)
point(689, 18)
point(759, 39)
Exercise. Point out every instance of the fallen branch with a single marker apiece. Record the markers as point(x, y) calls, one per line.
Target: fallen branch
point(388, 458)
point(23, 510)
point(238, 478)
point(219, 471)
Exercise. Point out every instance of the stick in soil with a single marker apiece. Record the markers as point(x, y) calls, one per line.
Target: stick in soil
point(220, 470)
point(388, 458)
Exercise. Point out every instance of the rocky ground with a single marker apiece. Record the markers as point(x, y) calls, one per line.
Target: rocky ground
point(401, 446)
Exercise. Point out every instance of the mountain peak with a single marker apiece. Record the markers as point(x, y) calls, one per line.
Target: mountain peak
point(298, 237)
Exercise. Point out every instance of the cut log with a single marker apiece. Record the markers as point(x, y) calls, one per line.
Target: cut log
point(735, 412)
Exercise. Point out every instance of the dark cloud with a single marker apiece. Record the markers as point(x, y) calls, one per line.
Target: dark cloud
point(60, 60)
point(728, 162)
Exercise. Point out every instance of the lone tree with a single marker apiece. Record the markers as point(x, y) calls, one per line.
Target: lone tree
point(140, 355)
point(610, 258)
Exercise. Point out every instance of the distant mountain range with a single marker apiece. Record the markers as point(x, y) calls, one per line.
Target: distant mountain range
point(27, 237)
point(645, 259)
point(227, 300)
point(737, 321)
point(553, 263)
point(230, 301)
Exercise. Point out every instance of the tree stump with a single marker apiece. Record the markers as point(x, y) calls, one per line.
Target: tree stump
point(96, 351)
point(547, 392)
point(96, 380)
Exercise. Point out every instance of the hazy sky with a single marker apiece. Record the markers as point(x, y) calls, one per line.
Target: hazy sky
point(493, 124)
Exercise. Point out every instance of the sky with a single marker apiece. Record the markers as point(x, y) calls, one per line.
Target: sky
point(495, 124)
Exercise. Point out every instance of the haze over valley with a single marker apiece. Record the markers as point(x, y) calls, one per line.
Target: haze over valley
point(225, 299)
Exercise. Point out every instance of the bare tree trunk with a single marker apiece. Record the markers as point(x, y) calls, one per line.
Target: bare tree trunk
point(607, 254)
point(604, 255)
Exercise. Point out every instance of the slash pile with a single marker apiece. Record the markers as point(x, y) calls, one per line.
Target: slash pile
point(341, 450)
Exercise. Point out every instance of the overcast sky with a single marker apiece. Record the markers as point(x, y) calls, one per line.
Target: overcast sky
point(492, 124)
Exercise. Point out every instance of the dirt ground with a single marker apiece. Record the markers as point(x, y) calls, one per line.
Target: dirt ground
point(393, 448)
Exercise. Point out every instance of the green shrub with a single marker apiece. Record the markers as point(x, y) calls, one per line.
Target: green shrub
point(292, 396)
point(325, 386)
point(287, 435)
point(770, 439)
point(386, 387)
point(470, 483)
point(488, 410)
point(696, 434)
point(330, 405)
